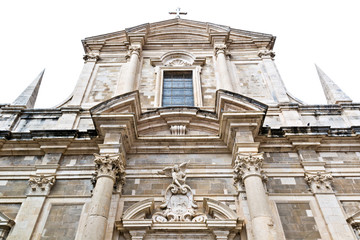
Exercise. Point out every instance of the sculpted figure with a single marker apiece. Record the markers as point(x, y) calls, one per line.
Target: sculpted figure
point(177, 172)
point(178, 204)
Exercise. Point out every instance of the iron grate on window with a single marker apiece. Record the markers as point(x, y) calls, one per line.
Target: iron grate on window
point(178, 89)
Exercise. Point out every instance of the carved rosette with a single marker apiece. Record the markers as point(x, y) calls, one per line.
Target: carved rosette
point(109, 166)
point(91, 57)
point(319, 182)
point(220, 48)
point(265, 53)
point(133, 50)
point(248, 165)
point(41, 184)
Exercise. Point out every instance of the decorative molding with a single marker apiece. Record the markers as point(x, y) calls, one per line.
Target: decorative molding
point(178, 63)
point(266, 53)
point(319, 182)
point(179, 204)
point(109, 166)
point(41, 184)
point(178, 129)
point(91, 57)
point(248, 165)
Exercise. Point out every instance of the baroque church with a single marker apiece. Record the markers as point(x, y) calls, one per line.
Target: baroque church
point(180, 129)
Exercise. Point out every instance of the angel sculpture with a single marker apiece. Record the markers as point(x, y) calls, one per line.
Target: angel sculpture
point(178, 204)
point(177, 172)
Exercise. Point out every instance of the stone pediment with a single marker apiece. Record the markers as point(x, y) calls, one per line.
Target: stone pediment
point(176, 30)
point(162, 126)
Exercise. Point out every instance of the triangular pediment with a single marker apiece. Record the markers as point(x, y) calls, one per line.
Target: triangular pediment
point(176, 30)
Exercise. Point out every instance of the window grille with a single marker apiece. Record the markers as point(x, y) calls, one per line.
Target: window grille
point(178, 89)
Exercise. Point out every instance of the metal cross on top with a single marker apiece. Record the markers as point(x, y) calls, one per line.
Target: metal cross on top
point(178, 12)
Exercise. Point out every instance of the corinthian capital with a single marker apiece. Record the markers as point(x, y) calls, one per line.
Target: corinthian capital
point(220, 48)
point(41, 184)
point(319, 182)
point(248, 165)
point(109, 166)
point(91, 57)
point(266, 53)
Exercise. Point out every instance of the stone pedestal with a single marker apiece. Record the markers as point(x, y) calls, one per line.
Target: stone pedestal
point(248, 173)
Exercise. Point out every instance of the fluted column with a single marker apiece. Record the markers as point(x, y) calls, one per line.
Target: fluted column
point(248, 172)
point(225, 80)
point(134, 55)
point(109, 173)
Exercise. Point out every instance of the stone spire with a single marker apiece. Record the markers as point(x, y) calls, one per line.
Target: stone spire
point(28, 97)
point(333, 94)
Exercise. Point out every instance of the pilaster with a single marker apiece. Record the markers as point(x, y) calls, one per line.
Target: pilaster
point(90, 61)
point(39, 189)
point(320, 185)
point(273, 75)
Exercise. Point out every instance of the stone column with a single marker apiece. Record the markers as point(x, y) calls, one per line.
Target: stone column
point(248, 172)
point(225, 79)
point(84, 79)
point(39, 188)
point(109, 173)
point(320, 185)
point(134, 55)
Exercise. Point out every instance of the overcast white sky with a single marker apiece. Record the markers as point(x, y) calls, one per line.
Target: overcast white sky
point(47, 34)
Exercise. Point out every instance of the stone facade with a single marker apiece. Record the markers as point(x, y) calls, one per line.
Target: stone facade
point(246, 161)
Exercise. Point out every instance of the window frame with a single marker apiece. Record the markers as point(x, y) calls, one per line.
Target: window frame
point(196, 70)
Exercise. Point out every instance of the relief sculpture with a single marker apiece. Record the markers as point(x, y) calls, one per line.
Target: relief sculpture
point(178, 205)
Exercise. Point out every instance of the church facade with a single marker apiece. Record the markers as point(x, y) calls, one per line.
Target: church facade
point(180, 129)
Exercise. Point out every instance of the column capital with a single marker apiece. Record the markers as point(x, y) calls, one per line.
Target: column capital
point(91, 57)
point(41, 184)
point(134, 49)
point(248, 164)
point(220, 48)
point(319, 182)
point(266, 53)
point(111, 166)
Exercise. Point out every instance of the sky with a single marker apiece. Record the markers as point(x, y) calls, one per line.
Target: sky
point(46, 34)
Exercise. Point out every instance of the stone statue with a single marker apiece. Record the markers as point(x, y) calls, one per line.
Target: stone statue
point(178, 204)
point(177, 172)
